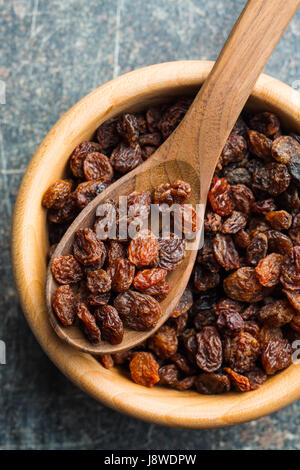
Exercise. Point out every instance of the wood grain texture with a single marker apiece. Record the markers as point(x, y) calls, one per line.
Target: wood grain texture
point(133, 91)
point(190, 153)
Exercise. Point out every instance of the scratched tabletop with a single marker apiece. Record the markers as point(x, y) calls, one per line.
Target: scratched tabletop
point(52, 53)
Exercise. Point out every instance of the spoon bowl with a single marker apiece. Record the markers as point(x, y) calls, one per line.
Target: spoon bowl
point(145, 177)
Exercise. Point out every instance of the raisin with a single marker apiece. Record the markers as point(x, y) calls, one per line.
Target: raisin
point(121, 357)
point(87, 191)
point(276, 314)
point(274, 178)
point(64, 305)
point(243, 198)
point(179, 322)
point(260, 145)
point(107, 134)
point(164, 342)
point(121, 272)
point(96, 300)
point(279, 220)
point(176, 193)
point(244, 286)
point(185, 220)
point(205, 279)
point(209, 349)
point(268, 270)
point(169, 375)
point(225, 252)
point(257, 249)
point(266, 123)
point(143, 248)
point(88, 250)
point(186, 383)
point(183, 364)
point(285, 148)
point(212, 222)
point(220, 198)
point(236, 222)
point(115, 250)
point(294, 169)
point(57, 194)
point(293, 298)
point(228, 316)
point(212, 384)
point(237, 175)
point(242, 351)
point(173, 115)
point(184, 304)
point(88, 323)
point(138, 204)
point(252, 328)
point(147, 151)
point(154, 139)
point(290, 199)
point(276, 355)
point(242, 239)
point(256, 377)
point(290, 277)
point(206, 256)
point(144, 369)
point(153, 116)
point(125, 158)
point(107, 361)
point(128, 128)
point(110, 324)
point(240, 128)
point(234, 150)
point(79, 155)
point(98, 282)
point(66, 213)
point(105, 225)
point(171, 251)
point(138, 310)
point(240, 382)
point(148, 278)
point(159, 290)
point(97, 167)
point(66, 269)
point(264, 207)
point(279, 242)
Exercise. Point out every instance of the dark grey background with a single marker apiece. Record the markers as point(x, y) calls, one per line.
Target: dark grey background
point(52, 53)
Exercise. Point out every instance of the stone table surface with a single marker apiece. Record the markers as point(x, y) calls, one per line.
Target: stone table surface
point(51, 54)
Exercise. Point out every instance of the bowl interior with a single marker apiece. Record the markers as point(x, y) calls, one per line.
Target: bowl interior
point(132, 92)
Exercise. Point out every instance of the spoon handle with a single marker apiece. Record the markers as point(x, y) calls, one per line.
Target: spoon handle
point(231, 81)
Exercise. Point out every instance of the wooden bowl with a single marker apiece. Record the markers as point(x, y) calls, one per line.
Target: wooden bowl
point(132, 91)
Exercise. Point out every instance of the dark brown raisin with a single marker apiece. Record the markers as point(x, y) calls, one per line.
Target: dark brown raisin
point(97, 167)
point(79, 155)
point(138, 310)
point(242, 351)
point(88, 250)
point(164, 342)
point(66, 269)
point(209, 349)
point(88, 323)
point(110, 324)
point(125, 158)
point(171, 251)
point(107, 134)
point(87, 191)
point(57, 194)
point(236, 221)
point(276, 314)
point(276, 355)
point(64, 305)
point(121, 272)
point(266, 123)
point(244, 286)
point(285, 148)
point(225, 252)
point(98, 281)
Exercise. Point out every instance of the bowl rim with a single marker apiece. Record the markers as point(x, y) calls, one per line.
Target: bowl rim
point(161, 406)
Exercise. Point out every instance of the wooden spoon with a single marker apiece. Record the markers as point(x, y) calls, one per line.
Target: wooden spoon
point(191, 152)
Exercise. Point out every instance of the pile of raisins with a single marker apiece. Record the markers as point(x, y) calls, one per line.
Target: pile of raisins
point(107, 283)
point(240, 313)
